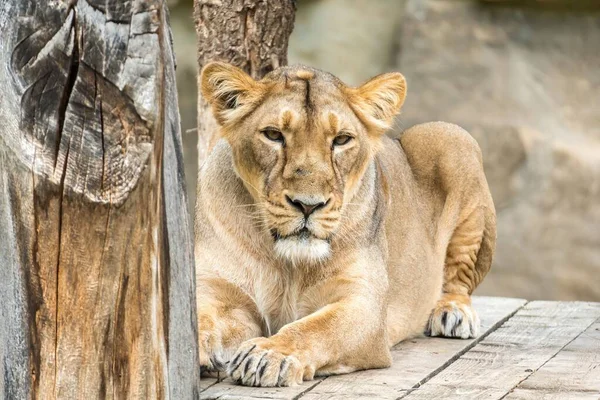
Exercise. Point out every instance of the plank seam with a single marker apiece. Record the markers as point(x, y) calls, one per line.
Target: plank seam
point(459, 354)
point(209, 386)
point(548, 360)
point(309, 388)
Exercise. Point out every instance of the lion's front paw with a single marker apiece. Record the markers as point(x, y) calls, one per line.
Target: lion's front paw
point(212, 355)
point(258, 363)
point(453, 318)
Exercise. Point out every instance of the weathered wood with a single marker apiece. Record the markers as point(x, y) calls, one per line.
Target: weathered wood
point(510, 354)
point(205, 383)
point(178, 242)
point(252, 35)
point(230, 391)
point(414, 362)
point(574, 373)
point(96, 272)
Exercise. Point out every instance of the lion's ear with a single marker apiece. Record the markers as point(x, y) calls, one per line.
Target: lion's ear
point(229, 90)
point(379, 100)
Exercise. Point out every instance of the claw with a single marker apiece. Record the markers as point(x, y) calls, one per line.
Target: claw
point(237, 361)
point(453, 319)
point(283, 366)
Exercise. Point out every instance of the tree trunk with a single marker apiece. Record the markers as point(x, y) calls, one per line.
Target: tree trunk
point(250, 34)
point(96, 267)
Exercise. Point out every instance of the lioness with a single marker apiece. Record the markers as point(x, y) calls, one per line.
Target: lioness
point(320, 241)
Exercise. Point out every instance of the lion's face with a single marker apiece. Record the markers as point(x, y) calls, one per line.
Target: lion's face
point(301, 141)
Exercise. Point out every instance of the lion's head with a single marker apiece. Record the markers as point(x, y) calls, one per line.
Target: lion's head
point(301, 142)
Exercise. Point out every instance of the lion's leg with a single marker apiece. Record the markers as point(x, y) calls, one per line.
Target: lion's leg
point(468, 259)
point(346, 335)
point(226, 318)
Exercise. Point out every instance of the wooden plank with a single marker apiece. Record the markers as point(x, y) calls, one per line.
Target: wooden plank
point(182, 329)
point(574, 373)
point(414, 361)
point(205, 383)
point(227, 390)
point(511, 353)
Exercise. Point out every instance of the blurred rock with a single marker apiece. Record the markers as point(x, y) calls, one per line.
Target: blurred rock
point(526, 83)
point(355, 39)
point(504, 154)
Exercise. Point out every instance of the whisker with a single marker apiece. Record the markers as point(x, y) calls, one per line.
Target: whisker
point(252, 186)
point(245, 205)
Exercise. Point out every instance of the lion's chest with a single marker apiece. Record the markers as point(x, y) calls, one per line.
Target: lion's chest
point(281, 300)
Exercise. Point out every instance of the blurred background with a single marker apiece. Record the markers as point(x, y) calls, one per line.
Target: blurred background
point(523, 77)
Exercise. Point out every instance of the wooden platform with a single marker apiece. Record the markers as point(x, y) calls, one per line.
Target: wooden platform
point(526, 350)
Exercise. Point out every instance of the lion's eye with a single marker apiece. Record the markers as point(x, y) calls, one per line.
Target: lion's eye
point(341, 140)
point(273, 134)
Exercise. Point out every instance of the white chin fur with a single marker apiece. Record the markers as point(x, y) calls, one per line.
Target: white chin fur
point(298, 249)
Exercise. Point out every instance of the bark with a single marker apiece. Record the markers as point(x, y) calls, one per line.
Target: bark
point(96, 268)
point(250, 34)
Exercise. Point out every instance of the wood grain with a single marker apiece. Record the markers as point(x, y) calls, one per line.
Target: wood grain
point(230, 391)
point(205, 383)
point(574, 373)
point(510, 354)
point(96, 272)
point(414, 361)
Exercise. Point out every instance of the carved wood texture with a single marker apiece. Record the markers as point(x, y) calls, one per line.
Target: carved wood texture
point(96, 266)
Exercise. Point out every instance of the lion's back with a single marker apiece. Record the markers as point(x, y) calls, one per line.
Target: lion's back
point(444, 153)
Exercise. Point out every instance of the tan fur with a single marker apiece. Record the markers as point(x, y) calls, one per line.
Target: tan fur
point(403, 232)
point(306, 75)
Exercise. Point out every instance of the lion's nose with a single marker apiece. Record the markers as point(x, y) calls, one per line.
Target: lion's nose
point(306, 206)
